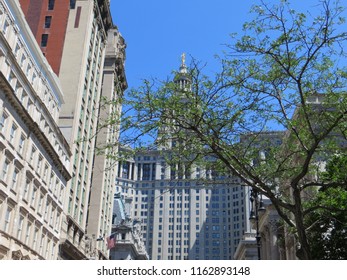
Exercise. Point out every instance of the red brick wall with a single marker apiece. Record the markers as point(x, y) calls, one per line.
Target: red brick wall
point(35, 12)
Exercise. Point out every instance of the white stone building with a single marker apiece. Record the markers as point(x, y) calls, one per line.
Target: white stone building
point(34, 155)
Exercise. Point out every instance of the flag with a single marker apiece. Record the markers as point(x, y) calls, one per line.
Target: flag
point(111, 241)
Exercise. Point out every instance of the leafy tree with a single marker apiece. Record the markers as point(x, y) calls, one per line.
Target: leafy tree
point(284, 73)
point(328, 223)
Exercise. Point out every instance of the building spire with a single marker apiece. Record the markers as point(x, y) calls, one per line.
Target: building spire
point(183, 67)
point(182, 77)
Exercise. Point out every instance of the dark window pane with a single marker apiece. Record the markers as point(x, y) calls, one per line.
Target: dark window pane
point(50, 4)
point(48, 21)
point(44, 40)
point(72, 4)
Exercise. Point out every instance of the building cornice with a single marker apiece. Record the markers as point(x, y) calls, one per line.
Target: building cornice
point(105, 12)
point(31, 43)
point(33, 126)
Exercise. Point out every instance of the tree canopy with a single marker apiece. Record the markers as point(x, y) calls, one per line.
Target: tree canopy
point(328, 224)
point(286, 72)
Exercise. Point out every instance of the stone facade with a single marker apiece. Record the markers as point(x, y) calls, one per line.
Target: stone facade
point(182, 218)
point(104, 171)
point(34, 155)
point(73, 36)
point(127, 233)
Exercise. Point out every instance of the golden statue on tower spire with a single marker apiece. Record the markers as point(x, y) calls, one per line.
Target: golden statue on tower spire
point(183, 57)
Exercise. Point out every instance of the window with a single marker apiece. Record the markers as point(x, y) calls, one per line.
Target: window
point(42, 243)
point(39, 164)
point(44, 40)
point(33, 197)
point(3, 122)
point(146, 171)
point(51, 4)
point(27, 233)
point(80, 216)
point(12, 79)
point(46, 210)
point(28, 72)
point(26, 189)
point(32, 155)
point(70, 206)
point(72, 4)
point(57, 221)
point(7, 219)
point(48, 21)
point(39, 209)
point(14, 178)
point(53, 249)
point(22, 61)
point(20, 226)
point(5, 169)
point(51, 222)
point(35, 238)
point(45, 173)
point(6, 25)
point(21, 143)
point(51, 180)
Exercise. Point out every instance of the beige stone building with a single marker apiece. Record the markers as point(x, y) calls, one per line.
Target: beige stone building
point(104, 171)
point(81, 73)
point(182, 217)
point(34, 155)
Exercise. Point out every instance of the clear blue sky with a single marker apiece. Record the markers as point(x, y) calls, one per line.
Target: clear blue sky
point(157, 32)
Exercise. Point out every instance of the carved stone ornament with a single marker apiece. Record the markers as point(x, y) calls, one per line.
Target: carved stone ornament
point(17, 255)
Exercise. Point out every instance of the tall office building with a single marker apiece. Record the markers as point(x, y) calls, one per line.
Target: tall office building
point(104, 169)
point(182, 218)
point(73, 35)
point(34, 155)
point(182, 215)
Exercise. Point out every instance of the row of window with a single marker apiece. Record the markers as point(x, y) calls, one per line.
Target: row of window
point(24, 60)
point(87, 125)
point(147, 171)
point(32, 194)
point(82, 155)
point(30, 153)
point(24, 228)
point(39, 83)
point(51, 4)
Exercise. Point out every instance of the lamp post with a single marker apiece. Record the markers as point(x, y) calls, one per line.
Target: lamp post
point(257, 206)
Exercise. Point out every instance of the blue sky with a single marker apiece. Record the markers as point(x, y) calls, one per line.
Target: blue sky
point(157, 32)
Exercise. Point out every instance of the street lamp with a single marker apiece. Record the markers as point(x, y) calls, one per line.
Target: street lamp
point(257, 206)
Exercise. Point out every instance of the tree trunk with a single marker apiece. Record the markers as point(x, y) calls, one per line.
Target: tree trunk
point(303, 252)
